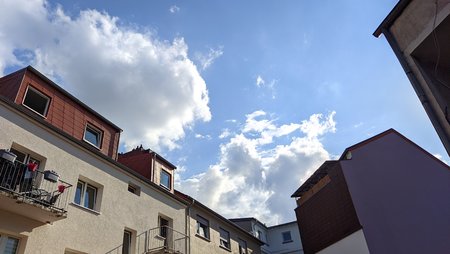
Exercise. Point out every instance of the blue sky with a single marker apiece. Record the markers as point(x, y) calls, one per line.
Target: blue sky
point(247, 98)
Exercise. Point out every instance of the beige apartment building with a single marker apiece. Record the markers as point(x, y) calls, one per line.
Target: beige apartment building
point(65, 189)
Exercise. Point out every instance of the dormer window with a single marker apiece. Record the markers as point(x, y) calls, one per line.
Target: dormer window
point(165, 179)
point(93, 136)
point(36, 101)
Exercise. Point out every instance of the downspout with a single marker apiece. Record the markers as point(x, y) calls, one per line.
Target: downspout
point(188, 225)
point(153, 168)
point(418, 88)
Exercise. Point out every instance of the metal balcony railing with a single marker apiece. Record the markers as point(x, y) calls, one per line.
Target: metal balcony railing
point(27, 184)
point(162, 239)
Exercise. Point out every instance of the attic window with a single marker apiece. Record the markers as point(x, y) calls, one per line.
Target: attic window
point(36, 101)
point(93, 136)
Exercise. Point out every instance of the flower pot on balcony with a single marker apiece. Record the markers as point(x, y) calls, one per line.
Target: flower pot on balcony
point(7, 155)
point(51, 176)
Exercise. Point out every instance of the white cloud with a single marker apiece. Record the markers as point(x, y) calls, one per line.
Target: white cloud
point(200, 136)
point(206, 60)
point(255, 175)
point(440, 157)
point(147, 86)
point(259, 81)
point(225, 133)
point(174, 9)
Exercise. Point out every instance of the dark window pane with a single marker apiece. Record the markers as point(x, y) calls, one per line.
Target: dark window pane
point(92, 136)
point(89, 197)
point(36, 101)
point(78, 193)
point(126, 247)
point(11, 245)
point(165, 179)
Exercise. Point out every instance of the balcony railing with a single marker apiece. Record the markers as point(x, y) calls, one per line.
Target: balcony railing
point(158, 240)
point(27, 184)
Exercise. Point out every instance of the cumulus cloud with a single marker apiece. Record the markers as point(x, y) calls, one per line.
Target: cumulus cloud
point(259, 81)
point(207, 59)
point(174, 9)
point(256, 172)
point(147, 86)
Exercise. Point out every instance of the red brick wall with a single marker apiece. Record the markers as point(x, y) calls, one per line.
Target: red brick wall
point(69, 116)
point(328, 216)
point(9, 85)
point(139, 161)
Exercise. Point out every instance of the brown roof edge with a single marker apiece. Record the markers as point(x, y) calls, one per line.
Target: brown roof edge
point(194, 201)
point(60, 89)
point(391, 17)
point(314, 178)
point(90, 149)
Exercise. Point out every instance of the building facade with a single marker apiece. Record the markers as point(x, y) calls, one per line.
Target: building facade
point(278, 239)
point(65, 189)
point(384, 195)
point(418, 32)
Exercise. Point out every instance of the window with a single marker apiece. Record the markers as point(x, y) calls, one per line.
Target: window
point(93, 136)
point(85, 195)
point(165, 179)
point(134, 189)
point(202, 227)
point(36, 101)
point(286, 237)
point(8, 245)
point(242, 246)
point(163, 226)
point(126, 246)
point(260, 235)
point(224, 238)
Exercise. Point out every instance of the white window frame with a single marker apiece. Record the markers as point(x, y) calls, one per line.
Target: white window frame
point(224, 241)
point(170, 179)
point(286, 240)
point(95, 130)
point(84, 187)
point(40, 94)
point(204, 224)
point(3, 241)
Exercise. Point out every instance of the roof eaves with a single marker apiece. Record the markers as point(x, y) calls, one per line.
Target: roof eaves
point(391, 17)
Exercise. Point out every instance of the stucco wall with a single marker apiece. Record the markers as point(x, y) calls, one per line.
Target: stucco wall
point(352, 244)
point(84, 230)
point(276, 239)
point(401, 196)
point(200, 245)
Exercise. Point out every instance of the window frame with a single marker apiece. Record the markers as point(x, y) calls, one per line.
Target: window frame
point(283, 236)
point(96, 130)
point(130, 241)
point(163, 233)
point(244, 247)
point(223, 240)
point(47, 106)
point(4, 240)
point(163, 171)
point(205, 227)
point(84, 186)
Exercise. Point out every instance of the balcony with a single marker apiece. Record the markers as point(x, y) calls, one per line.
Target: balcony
point(38, 195)
point(158, 241)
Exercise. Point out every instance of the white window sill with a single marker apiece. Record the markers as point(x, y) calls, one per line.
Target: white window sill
point(85, 208)
point(225, 248)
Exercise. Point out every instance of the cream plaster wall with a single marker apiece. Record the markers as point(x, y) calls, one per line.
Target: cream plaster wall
point(83, 230)
point(352, 244)
point(199, 245)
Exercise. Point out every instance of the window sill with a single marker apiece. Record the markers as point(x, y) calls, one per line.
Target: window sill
point(34, 111)
point(202, 237)
point(164, 187)
point(290, 241)
point(85, 208)
point(225, 248)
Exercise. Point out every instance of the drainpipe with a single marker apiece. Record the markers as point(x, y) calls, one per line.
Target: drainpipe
point(432, 114)
point(153, 168)
point(188, 224)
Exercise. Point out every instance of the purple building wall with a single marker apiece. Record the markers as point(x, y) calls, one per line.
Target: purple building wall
point(401, 195)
